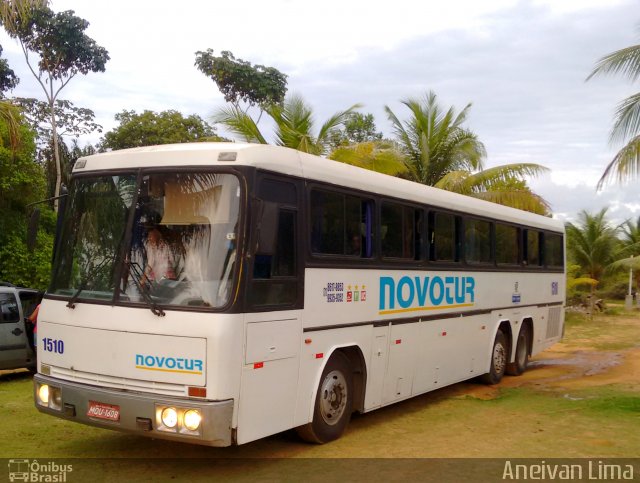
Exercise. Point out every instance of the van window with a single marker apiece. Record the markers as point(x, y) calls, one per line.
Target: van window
point(9, 313)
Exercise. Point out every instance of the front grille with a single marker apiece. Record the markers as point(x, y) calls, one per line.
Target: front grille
point(118, 382)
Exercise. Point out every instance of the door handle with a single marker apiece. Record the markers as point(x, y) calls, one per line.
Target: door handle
point(17, 331)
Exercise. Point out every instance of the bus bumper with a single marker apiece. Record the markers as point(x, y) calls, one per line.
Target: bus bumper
point(137, 413)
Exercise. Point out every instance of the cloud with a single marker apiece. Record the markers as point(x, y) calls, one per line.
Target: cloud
point(522, 64)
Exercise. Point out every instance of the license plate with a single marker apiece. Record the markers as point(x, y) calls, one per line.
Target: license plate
point(100, 410)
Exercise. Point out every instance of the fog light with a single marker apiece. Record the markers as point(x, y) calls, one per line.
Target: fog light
point(169, 417)
point(192, 419)
point(55, 398)
point(43, 395)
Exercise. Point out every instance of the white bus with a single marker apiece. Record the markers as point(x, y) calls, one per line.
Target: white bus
point(217, 293)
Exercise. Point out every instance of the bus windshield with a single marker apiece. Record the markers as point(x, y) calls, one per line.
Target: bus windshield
point(179, 248)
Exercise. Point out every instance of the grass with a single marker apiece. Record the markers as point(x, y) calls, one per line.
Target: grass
point(534, 416)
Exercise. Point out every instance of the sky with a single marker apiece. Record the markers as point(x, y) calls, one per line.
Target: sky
point(522, 64)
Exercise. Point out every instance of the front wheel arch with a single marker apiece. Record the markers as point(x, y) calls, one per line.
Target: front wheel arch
point(333, 402)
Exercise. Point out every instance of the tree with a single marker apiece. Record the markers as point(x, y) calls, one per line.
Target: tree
point(8, 112)
point(239, 80)
point(8, 78)
point(592, 243)
point(630, 235)
point(440, 152)
point(22, 181)
point(294, 125)
point(380, 156)
point(357, 128)
point(62, 47)
point(626, 126)
point(71, 120)
point(150, 128)
point(501, 184)
point(434, 142)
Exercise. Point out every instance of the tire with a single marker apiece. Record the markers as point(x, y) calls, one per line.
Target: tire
point(499, 358)
point(519, 365)
point(333, 404)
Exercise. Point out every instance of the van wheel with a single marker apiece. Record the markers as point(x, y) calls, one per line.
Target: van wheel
point(519, 365)
point(499, 357)
point(334, 402)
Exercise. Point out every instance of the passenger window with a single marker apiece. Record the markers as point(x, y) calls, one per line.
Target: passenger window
point(532, 248)
point(553, 251)
point(507, 245)
point(477, 241)
point(398, 231)
point(9, 313)
point(443, 229)
point(341, 224)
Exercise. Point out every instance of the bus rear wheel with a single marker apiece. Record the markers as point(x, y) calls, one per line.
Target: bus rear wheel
point(333, 404)
point(519, 365)
point(499, 358)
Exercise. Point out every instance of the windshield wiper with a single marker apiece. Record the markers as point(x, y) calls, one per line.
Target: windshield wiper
point(83, 283)
point(136, 275)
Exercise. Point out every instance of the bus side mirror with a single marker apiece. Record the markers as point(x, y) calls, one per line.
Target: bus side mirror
point(32, 229)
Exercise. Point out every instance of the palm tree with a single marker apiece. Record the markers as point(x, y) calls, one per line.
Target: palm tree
point(440, 152)
point(434, 142)
point(626, 127)
point(592, 243)
point(294, 125)
point(501, 184)
point(381, 156)
point(630, 232)
point(10, 114)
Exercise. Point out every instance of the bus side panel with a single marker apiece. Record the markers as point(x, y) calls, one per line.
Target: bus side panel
point(269, 375)
point(403, 349)
point(452, 350)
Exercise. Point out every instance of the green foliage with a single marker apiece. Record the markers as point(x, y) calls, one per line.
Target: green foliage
point(592, 243)
point(62, 47)
point(60, 41)
point(440, 152)
point(357, 128)
point(238, 80)
point(500, 184)
point(8, 78)
point(434, 141)
point(626, 127)
point(71, 120)
point(150, 128)
point(379, 156)
point(22, 181)
point(294, 125)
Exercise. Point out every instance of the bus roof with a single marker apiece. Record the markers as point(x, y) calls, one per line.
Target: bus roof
point(295, 163)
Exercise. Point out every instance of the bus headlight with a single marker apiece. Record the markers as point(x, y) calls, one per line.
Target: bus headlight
point(49, 397)
point(169, 417)
point(43, 395)
point(179, 420)
point(192, 419)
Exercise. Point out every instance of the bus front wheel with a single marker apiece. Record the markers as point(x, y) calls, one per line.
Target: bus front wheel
point(499, 358)
point(333, 404)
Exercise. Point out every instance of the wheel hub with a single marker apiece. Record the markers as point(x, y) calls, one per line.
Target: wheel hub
point(333, 397)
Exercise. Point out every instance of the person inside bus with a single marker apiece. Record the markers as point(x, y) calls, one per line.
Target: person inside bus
point(160, 259)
